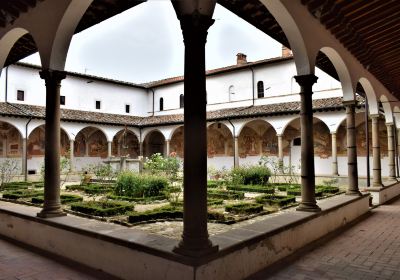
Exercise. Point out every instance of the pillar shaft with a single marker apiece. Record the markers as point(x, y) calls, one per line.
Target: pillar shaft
point(167, 148)
point(376, 153)
point(352, 188)
point(195, 241)
point(109, 149)
point(391, 159)
point(52, 204)
point(308, 202)
point(24, 160)
point(141, 149)
point(236, 154)
point(334, 155)
point(71, 155)
point(280, 150)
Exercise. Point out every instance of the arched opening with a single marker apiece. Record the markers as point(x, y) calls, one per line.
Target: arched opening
point(219, 141)
point(161, 104)
point(10, 141)
point(260, 89)
point(176, 143)
point(35, 144)
point(125, 143)
point(181, 101)
point(154, 143)
point(90, 142)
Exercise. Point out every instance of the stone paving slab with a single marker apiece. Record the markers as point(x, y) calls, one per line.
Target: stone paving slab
point(368, 250)
point(20, 263)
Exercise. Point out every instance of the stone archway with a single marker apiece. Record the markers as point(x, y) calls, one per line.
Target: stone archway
point(90, 142)
point(154, 143)
point(125, 143)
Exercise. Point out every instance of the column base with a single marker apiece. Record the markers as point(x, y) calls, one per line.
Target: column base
point(308, 207)
point(195, 252)
point(48, 214)
point(353, 192)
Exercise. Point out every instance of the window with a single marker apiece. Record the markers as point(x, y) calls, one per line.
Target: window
point(260, 89)
point(20, 95)
point(127, 108)
point(297, 142)
point(181, 101)
point(98, 104)
point(62, 100)
point(161, 104)
point(231, 90)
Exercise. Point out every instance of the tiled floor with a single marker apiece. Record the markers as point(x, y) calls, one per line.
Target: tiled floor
point(19, 263)
point(368, 250)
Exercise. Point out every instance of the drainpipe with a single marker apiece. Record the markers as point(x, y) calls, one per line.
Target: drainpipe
point(252, 83)
point(152, 114)
point(6, 91)
point(234, 135)
point(396, 151)
point(367, 140)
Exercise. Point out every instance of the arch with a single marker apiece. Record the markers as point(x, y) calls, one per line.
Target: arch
point(8, 41)
point(387, 108)
point(154, 142)
point(90, 141)
point(342, 71)
point(293, 34)
point(260, 89)
point(181, 101)
point(176, 142)
point(371, 96)
point(231, 90)
point(248, 122)
point(36, 140)
point(125, 143)
point(11, 140)
point(256, 138)
point(161, 104)
point(219, 140)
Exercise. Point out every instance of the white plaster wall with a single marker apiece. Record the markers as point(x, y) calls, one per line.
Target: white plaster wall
point(82, 163)
point(220, 163)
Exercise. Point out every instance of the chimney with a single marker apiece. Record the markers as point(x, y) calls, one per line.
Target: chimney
point(286, 52)
point(241, 59)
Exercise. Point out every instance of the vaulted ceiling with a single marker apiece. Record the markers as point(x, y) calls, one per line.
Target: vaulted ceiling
point(369, 29)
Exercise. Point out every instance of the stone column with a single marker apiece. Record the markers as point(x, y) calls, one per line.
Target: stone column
point(24, 159)
point(376, 153)
point(52, 203)
point(392, 165)
point(71, 155)
point(280, 150)
point(308, 202)
point(87, 147)
point(118, 148)
point(109, 149)
point(351, 148)
point(195, 241)
point(236, 154)
point(334, 155)
point(141, 149)
point(167, 148)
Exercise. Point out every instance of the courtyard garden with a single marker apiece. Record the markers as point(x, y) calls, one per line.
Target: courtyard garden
point(156, 194)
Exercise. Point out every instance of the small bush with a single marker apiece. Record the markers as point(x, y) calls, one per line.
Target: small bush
point(137, 199)
point(102, 208)
point(16, 194)
point(252, 188)
point(98, 188)
point(244, 208)
point(215, 183)
point(65, 198)
point(75, 187)
point(297, 192)
point(15, 185)
point(276, 200)
point(38, 185)
point(284, 187)
point(135, 185)
point(328, 189)
point(251, 175)
point(222, 194)
point(210, 202)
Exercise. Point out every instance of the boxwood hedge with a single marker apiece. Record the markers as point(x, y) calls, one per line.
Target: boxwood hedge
point(222, 194)
point(102, 208)
point(244, 208)
point(276, 200)
point(252, 188)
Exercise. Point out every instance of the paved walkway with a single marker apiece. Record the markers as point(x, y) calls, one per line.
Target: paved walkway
point(19, 263)
point(368, 250)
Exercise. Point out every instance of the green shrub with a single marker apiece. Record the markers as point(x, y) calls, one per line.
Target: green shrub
point(215, 183)
point(297, 192)
point(98, 188)
point(16, 194)
point(135, 185)
point(222, 194)
point(284, 187)
point(244, 208)
point(276, 200)
point(251, 175)
point(65, 198)
point(102, 208)
point(210, 202)
point(252, 188)
point(75, 187)
point(328, 189)
point(15, 185)
point(137, 199)
point(38, 185)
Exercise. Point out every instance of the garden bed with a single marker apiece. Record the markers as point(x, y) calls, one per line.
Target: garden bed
point(144, 200)
point(244, 208)
point(276, 200)
point(17, 194)
point(102, 208)
point(252, 188)
point(92, 188)
point(65, 198)
point(222, 194)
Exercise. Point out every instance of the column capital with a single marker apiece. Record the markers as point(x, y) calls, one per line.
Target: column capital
point(389, 124)
point(52, 76)
point(374, 116)
point(195, 26)
point(306, 80)
point(347, 103)
point(333, 132)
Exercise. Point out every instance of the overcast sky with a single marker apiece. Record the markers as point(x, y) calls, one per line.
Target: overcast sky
point(145, 44)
